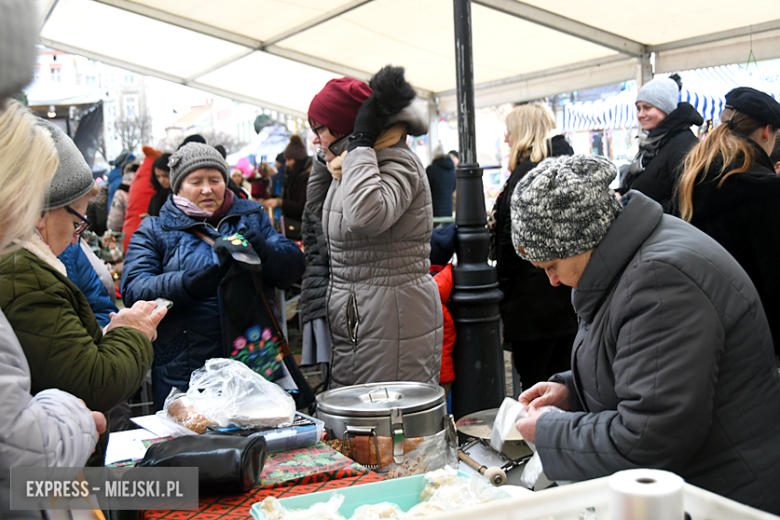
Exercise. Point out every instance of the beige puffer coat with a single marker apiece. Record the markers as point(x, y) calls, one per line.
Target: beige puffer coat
point(383, 307)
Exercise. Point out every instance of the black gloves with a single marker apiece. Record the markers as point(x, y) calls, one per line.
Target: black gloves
point(236, 247)
point(203, 283)
point(368, 125)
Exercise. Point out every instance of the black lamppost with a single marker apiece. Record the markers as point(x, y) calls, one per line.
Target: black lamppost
point(478, 357)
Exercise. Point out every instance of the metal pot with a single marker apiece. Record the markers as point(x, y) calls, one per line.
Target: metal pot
point(399, 410)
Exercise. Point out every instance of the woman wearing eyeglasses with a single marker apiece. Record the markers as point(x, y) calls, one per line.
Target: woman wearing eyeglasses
point(59, 334)
point(383, 307)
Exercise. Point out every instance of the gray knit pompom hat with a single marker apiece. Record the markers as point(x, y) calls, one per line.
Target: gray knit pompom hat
point(194, 156)
point(18, 36)
point(73, 178)
point(563, 207)
point(662, 93)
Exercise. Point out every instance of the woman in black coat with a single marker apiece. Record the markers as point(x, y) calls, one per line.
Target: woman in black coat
point(296, 178)
point(730, 191)
point(539, 321)
point(162, 184)
point(664, 142)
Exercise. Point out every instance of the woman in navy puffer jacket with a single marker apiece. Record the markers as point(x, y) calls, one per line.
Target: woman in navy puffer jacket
point(166, 260)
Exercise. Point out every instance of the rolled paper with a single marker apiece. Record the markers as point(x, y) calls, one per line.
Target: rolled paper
point(645, 494)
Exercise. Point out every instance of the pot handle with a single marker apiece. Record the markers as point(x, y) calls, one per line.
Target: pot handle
point(397, 425)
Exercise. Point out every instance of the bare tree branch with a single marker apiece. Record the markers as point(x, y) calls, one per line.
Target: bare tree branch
point(216, 137)
point(133, 131)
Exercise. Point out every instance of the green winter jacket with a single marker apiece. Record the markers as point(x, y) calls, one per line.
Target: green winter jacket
point(62, 340)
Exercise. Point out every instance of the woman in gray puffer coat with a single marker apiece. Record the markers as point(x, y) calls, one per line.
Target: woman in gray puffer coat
point(384, 310)
point(673, 366)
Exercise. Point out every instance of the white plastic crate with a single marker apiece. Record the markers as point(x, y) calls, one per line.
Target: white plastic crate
point(569, 502)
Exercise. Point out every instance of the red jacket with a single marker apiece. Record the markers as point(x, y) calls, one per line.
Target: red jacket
point(141, 192)
point(444, 281)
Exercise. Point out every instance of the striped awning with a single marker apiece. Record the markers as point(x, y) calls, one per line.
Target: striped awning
point(705, 89)
point(617, 111)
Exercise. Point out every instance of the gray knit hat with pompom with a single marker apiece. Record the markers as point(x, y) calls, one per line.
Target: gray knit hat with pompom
point(194, 156)
point(73, 178)
point(563, 207)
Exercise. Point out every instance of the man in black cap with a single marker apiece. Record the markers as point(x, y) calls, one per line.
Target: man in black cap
point(730, 190)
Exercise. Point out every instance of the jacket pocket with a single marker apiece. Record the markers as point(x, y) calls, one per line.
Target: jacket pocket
point(353, 320)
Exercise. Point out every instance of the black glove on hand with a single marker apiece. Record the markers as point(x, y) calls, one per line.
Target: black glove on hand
point(236, 247)
point(368, 125)
point(203, 283)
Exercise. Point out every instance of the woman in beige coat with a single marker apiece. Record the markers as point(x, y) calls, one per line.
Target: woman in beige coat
point(383, 307)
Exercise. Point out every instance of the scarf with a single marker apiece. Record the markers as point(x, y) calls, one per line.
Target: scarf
point(387, 138)
point(192, 210)
point(41, 249)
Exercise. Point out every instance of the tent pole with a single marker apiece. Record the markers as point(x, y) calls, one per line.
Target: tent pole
point(478, 357)
point(644, 70)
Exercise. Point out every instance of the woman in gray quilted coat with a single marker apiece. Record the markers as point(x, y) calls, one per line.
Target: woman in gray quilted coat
point(384, 311)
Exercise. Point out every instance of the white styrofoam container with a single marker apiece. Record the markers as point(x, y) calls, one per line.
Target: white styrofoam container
point(568, 502)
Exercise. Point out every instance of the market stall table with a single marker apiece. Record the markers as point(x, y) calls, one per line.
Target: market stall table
point(290, 473)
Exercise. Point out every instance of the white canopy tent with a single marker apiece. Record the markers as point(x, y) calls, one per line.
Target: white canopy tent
point(279, 53)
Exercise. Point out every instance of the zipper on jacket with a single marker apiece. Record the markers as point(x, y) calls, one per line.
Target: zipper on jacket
point(353, 320)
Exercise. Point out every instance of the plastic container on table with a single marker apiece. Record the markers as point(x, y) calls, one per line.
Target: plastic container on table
point(559, 503)
point(404, 492)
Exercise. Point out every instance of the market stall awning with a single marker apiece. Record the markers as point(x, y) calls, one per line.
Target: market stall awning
point(41, 93)
point(278, 54)
point(705, 89)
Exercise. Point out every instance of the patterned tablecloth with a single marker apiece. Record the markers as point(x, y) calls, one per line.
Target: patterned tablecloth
point(290, 473)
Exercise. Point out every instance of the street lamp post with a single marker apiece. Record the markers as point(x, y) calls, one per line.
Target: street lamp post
point(478, 357)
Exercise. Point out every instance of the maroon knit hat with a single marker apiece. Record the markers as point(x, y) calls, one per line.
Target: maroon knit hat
point(336, 106)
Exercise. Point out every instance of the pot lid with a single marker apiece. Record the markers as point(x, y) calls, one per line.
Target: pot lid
point(376, 399)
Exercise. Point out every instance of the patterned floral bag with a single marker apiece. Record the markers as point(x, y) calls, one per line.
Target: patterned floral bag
point(250, 330)
point(259, 350)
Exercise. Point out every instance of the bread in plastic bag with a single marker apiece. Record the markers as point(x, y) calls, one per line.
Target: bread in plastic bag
point(444, 490)
point(273, 510)
point(185, 419)
point(182, 411)
point(227, 391)
point(448, 490)
point(380, 511)
point(421, 454)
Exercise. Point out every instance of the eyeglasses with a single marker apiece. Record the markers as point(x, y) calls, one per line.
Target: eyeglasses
point(317, 130)
point(80, 227)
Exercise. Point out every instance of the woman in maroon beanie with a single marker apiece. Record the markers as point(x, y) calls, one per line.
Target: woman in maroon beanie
point(373, 195)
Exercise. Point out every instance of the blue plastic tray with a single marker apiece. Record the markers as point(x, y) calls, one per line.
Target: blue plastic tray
point(404, 492)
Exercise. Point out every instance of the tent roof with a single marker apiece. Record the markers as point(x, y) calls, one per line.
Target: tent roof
point(45, 94)
point(279, 53)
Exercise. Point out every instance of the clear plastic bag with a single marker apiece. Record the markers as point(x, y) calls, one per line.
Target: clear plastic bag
point(273, 510)
point(228, 392)
point(181, 416)
point(432, 453)
point(447, 490)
